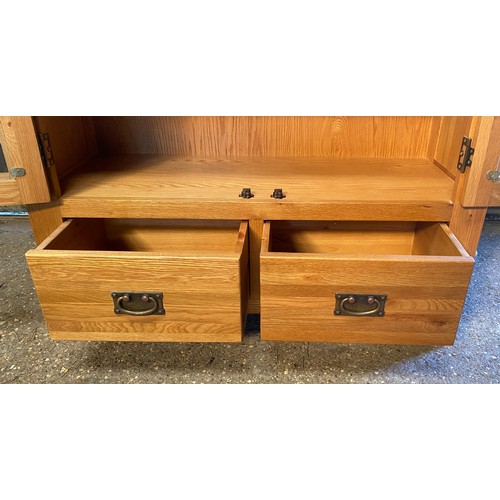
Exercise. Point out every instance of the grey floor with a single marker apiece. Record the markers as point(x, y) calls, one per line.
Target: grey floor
point(28, 356)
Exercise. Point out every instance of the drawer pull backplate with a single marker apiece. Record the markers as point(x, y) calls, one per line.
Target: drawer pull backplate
point(353, 304)
point(138, 303)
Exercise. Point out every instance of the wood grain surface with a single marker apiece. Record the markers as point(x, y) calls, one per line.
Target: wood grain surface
point(478, 188)
point(452, 131)
point(342, 237)
point(202, 292)
point(44, 219)
point(467, 225)
point(315, 188)
point(20, 147)
point(272, 136)
point(437, 240)
point(425, 294)
point(72, 139)
point(9, 191)
point(494, 200)
point(255, 239)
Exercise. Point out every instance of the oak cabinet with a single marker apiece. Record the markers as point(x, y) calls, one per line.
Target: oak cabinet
point(344, 229)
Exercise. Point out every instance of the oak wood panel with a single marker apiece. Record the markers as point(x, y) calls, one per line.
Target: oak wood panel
point(243, 249)
point(452, 130)
point(178, 236)
point(315, 188)
point(20, 147)
point(304, 311)
point(255, 237)
point(467, 225)
point(9, 191)
point(44, 219)
point(478, 188)
point(494, 200)
point(155, 208)
point(202, 294)
point(342, 237)
point(274, 136)
point(147, 235)
point(425, 296)
point(77, 234)
point(434, 137)
point(72, 139)
point(436, 239)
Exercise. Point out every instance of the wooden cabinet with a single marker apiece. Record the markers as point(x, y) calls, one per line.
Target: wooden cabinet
point(227, 215)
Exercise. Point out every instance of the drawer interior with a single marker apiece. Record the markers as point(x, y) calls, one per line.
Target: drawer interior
point(146, 235)
point(368, 238)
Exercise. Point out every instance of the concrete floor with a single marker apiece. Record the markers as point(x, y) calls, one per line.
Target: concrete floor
point(28, 356)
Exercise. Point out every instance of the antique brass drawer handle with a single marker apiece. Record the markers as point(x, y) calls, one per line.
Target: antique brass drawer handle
point(351, 304)
point(138, 303)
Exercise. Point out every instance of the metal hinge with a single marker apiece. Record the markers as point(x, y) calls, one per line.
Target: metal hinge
point(46, 149)
point(466, 152)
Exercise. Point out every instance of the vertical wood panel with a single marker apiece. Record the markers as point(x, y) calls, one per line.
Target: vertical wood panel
point(273, 136)
point(21, 150)
point(453, 128)
point(467, 224)
point(255, 237)
point(9, 192)
point(494, 200)
point(72, 139)
point(478, 188)
point(44, 218)
point(433, 137)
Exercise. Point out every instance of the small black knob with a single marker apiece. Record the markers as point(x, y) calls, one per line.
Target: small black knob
point(278, 194)
point(246, 193)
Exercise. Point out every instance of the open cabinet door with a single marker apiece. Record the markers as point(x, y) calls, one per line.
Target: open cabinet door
point(9, 192)
point(21, 151)
point(478, 188)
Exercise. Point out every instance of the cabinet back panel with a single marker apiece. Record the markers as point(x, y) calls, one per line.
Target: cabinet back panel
point(271, 136)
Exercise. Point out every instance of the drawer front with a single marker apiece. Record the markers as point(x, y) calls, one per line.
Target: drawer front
point(424, 297)
point(203, 295)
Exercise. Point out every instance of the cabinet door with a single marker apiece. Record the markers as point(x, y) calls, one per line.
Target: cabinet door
point(20, 150)
point(477, 189)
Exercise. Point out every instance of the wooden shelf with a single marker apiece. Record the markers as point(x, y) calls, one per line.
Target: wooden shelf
point(315, 188)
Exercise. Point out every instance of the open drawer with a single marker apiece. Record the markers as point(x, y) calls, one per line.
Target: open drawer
point(362, 282)
point(143, 280)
